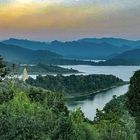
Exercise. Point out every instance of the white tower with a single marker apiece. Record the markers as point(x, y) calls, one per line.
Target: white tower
point(25, 75)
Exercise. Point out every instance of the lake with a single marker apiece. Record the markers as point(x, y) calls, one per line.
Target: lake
point(89, 105)
point(123, 72)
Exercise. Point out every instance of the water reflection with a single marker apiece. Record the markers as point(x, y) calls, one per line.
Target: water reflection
point(89, 105)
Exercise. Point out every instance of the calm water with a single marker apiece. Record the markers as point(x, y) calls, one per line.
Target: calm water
point(89, 106)
point(123, 72)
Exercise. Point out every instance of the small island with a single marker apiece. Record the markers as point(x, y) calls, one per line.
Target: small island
point(76, 86)
point(41, 69)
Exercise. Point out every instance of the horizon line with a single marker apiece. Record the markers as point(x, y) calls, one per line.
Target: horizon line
point(67, 40)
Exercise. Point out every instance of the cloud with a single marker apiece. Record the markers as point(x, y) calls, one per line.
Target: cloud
point(69, 18)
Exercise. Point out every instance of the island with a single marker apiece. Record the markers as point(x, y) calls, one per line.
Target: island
point(40, 69)
point(76, 86)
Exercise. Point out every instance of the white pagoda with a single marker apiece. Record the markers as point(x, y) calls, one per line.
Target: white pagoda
point(25, 75)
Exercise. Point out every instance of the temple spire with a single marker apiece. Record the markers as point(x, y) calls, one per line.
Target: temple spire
point(25, 75)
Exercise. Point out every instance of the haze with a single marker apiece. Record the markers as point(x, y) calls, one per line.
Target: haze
point(68, 20)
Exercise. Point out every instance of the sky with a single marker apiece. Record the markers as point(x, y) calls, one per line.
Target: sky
point(69, 19)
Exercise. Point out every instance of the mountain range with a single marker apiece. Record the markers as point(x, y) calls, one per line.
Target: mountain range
point(88, 48)
point(114, 50)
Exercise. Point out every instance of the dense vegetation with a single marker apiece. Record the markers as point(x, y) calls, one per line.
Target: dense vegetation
point(34, 113)
point(3, 69)
point(75, 86)
point(134, 100)
point(29, 113)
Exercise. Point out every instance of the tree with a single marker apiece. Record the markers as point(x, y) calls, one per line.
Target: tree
point(134, 99)
point(3, 71)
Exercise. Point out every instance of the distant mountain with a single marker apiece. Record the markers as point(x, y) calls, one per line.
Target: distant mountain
point(85, 50)
point(131, 57)
point(16, 54)
point(114, 41)
point(34, 45)
point(88, 48)
point(116, 55)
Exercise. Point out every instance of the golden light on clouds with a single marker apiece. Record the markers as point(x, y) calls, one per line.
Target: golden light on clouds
point(33, 15)
point(71, 18)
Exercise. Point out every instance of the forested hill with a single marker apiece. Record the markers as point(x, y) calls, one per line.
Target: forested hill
point(16, 54)
point(76, 86)
point(41, 69)
point(131, 57)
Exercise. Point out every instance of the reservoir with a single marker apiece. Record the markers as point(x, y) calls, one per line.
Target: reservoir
point(90, 104)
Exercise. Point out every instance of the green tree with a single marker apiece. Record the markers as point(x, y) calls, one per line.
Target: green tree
point(3, 71)
point(134, 99)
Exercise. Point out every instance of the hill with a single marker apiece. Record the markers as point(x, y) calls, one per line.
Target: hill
point(72, 86)
point(28, 112)
point(131, 57)
point(40, 69)
point(84, 50)
point(16, 54)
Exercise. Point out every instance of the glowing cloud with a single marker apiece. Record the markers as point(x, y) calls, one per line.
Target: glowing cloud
point(72, 18)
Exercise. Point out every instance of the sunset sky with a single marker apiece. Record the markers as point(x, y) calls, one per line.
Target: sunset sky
point(69, 19)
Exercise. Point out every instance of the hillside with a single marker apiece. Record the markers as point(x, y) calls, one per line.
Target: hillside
point(131, 57)
point(16, 54)
point(28, 112)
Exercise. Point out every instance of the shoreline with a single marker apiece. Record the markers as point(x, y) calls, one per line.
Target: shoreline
point(80, 97)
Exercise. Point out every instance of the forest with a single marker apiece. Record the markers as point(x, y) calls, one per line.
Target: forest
point(32, 113)
point(76, 85)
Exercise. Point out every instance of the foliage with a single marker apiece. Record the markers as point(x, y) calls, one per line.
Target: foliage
point(3, 70)
point(75, 85)
point(31, 113)
point(134, 99)
point(24, 118)
point(115, 122)
point(35, 113)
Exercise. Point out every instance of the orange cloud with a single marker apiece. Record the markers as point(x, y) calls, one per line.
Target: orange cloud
point(36, 16)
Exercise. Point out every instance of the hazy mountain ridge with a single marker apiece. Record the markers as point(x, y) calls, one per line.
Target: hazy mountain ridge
point(88, 48)
point(34, 45)
point(131, 57)
point(114, 41)
point(16, 54)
